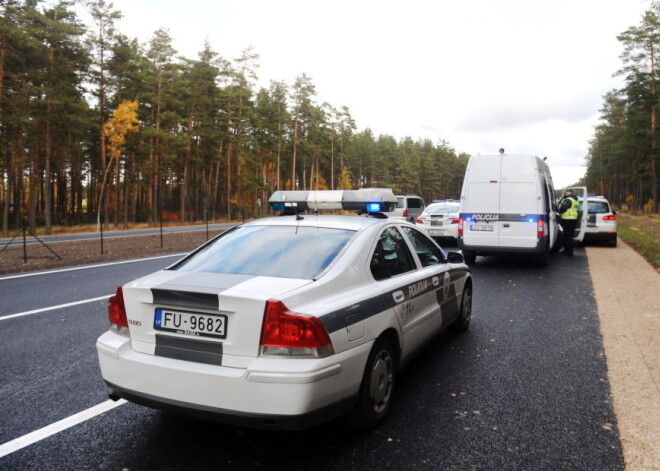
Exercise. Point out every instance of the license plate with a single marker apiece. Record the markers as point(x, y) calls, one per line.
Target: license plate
point(481, 227)
point(191, 323)
point(436, 223)
point(437, 232)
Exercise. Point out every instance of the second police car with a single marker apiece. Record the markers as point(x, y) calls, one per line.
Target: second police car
point(289, 321)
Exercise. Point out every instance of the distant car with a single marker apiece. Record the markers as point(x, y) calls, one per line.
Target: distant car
point(289, 321)
point(440, 219)
point(408, 206)
point(601, 221)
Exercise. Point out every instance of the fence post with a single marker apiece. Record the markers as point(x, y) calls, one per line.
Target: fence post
point(161, 228)
point(24, 246)
point(101, 218)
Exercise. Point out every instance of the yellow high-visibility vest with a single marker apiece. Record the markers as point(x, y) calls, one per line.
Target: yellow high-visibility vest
point(572, 211)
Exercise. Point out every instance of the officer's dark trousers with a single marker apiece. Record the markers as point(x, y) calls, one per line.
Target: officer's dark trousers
point(569, 229)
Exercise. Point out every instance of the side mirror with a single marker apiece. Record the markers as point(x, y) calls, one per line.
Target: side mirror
point(613, 212)
point(455, 257)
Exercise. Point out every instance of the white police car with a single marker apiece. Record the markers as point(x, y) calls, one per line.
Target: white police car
point(601, 221)
point(289, 321)
point(440, 219)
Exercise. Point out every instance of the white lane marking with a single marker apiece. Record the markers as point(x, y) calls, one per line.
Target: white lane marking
point(52, 308)
point(57, 427)
point(62, 270)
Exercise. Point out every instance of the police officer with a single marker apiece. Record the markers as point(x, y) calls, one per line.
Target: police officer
point(568, 214)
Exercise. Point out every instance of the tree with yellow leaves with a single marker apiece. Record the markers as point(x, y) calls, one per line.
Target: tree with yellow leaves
point(122, 123)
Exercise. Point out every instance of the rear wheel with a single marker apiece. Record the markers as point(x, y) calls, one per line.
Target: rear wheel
point(469, 257)
point(462, 322)
point(612, 243)
point(377, 386)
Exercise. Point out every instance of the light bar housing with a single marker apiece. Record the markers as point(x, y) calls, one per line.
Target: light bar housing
point(369, 200)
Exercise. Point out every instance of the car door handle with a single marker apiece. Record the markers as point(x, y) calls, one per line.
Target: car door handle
point(398, 296)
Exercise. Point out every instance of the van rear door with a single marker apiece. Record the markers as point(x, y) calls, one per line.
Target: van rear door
point(518, 214)
point(481, 201)
point(519, 202)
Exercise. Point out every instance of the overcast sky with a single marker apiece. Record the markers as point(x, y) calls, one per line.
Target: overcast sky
point(524, 75)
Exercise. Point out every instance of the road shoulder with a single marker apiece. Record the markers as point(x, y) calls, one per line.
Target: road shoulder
point(627, 292)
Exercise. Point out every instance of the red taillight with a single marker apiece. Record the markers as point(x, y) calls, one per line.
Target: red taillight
point(419, 220)
point(286, 329)
point(540, 228)
point(460, 226)
point(454, 220)
point(117, 310)
point(405, 213)
point(610, 217)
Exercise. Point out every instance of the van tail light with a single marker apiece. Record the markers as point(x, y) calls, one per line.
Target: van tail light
point(405, 213)
point(419, 220)
point(117, 311)
point(288, 333)
point(461, 221)
point(540, 228)
point(609, 217)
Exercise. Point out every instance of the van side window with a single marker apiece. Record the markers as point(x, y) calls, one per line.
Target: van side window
point(391, 256)
point(428, 252)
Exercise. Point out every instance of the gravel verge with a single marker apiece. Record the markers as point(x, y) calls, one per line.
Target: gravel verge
point(627, 293)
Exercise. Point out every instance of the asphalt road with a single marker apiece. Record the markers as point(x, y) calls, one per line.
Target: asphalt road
point(524, 389)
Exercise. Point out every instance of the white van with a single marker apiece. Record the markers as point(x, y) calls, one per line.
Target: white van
point(508, 206)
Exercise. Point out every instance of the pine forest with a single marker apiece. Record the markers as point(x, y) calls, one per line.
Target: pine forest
point(622, 158)
point(95, 126)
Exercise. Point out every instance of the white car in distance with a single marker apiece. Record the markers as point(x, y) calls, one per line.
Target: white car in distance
point(440, 219)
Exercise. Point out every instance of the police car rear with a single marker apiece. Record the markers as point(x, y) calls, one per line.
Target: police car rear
point(440, 219)
point(601, 221)
point(286, 322)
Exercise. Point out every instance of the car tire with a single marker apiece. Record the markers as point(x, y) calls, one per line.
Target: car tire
point(612, 243)
point(462, 322)
point(469, 257)
point(377, 387)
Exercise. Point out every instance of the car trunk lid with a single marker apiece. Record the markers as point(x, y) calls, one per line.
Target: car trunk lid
point(203, 317)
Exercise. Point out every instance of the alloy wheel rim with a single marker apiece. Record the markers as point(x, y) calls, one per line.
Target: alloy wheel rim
point(381, 381)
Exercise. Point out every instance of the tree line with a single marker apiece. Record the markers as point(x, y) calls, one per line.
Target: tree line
point(622, 158)
point(96, 126)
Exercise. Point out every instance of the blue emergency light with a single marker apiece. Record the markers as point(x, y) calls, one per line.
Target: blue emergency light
point(366, 200)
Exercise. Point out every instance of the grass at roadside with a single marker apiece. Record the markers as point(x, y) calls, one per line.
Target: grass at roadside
point(643, 234)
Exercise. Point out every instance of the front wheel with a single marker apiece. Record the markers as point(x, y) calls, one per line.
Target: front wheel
point(377, 386)
point(462, 322)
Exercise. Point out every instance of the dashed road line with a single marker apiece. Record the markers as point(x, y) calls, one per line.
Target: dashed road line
point(57, 427)
point(53, 308)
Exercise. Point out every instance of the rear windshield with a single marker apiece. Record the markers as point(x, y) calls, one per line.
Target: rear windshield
point(442, 209)
point(280, 251)
point(598, 207)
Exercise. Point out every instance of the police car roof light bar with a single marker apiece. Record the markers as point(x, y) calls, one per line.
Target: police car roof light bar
point(367, 200)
